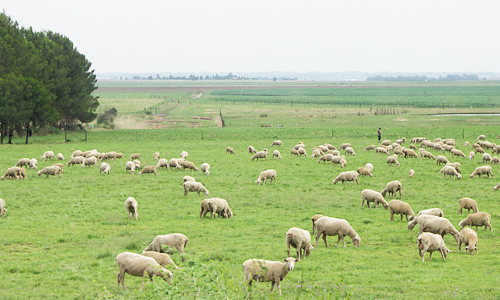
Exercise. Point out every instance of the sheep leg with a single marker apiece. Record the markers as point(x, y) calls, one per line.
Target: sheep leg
point(423, 253)
point(324, 239)
point(287, 248)
point(272, 285)
point(460, 247)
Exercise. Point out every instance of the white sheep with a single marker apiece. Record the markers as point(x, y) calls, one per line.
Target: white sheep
point(135, 156)
point(458, 153)
point(468, 204)
point(189, 165)
point(130, 166)
point(364, 171)
point(52, 170)
point(60, 156)
point(89, 161)
point(184, 154)
point(350, 151)
point(314, 219)
point(276, 143)
point(12, 173)
point(429, 242)
point(481, 171)
point(373, 196)
point(260, 154)
point(456, 166)
point(175, 163)
point(188, 178)
point(325, 158)
point(75, 160)
point(33, 163)
point(205, 168)
point(433, 224)
point(131, 207)
point(472, 154)
point(400, 208)
point(162, 163)
point(193, 186)
point(265, 270)
point(392, 187)
point(148, 170)
point(268, 174)
point(23, 162)
point(251, 150)
point(220, 207)
point(230, 150)
point(411, 173)
point(176, 241)
point(302, 151)
point(299, 239)
point(370, 147)
point(381, 150)
point(451, 171)
point(104, 167)
point(469, 238)
point(156, 155)
point(163, 259)
point(332, 226)
point(369, 166)
point(431, 211)
point(477, 219)
point(139, 265)
point(392, 160)
point(496, 187)
point(3, 210)
point(277, 154)
point(48, 155)
point(347, 176)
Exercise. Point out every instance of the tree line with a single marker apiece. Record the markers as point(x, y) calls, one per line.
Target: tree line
point(208, 77)
point(451, 77)
point(43, 80)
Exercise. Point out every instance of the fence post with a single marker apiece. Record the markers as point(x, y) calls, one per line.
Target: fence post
point(202, 135)
point(85, 135)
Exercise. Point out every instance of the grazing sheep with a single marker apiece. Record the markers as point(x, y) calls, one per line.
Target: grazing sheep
point(260, 154)
point(220, 207)
point(131, 207)
point(369, 166)
point(23, 162)
point(496, 187)
point(373, 196)
point(3, 210)
point(411, 173)
point(392, 160)
point(268, 174)
point(322, 148)
point(330, 147)
point(400, 208)
point(481, 171)
point(429, 242)
point(188, 178)
point(33, 163)
point(386, 143)
point(138, 265)
point(381, 150)
point(314, 219)
point(486, 157)
point(60, 156)
point(469, 238)
point(441, 160)
point(22, 173)
point(370, 147)
point(364, 171)
point(347, 176)
point(449, 148)
point(399, 151)
point(130, 166)
point(431, 211)
point(350, 151)
point(468, 204)
point(335, 152)
point(294, 152)
point(479, 149)
point(277, 154)
point(205, 168)
point(184, 154)
point(276, 143)
point(156, 155)
point(433, 224)
point(332, 226)
point(89, 161)
point(456, 166)
point(162, 163)
point(439, 147)
point(481, 137)
point(410, 153)
point(317, 153)
point(302, 151)
point(472, 154)
point(458, 153)
point(265, 270)
point(48, 155)
point(300, 239)
point(188, 165)
point(495, 160)
point(118, 155)
point(392, 187)
point(230, 150)
point(413, 147)
point(203, 207)
point(174, 240)
point(175, 163)
point(135, 156)
point(193, 186)
point(477, 219)
point(449, 170)
point(427, 154)
point(251, 150)
point(104, 167)
point(53, 170)
point(148, 170)
point(12, 173)
point(76, 153)
point(77, 160)
point(326, 157)
point(163, 259)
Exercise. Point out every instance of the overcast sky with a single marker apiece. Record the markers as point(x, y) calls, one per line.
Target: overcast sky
point(245, 36)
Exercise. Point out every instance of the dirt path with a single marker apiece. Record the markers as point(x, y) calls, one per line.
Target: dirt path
point(132, 122)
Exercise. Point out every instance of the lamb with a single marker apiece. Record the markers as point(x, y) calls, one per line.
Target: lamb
point(58, 165)
point(33, 163)
point(188, 165)
point(400, 208)
point(118, 155)
point(53, 170)
point(323, 148)
point(399, 151)
point(370, 147)
point(300, 239)
point(294, 152)
point(487, 157)
point(410, 153)
point(131, 207)
point(135, 156)
point(230, 150)
point(472, 154)
point(277, 154)
point(467, 144)
point(456, 166)
point(477, 219)
point(411, 173)
point(175, 163)
point(60, 156)
point(302, 151)
point(22, 173)
point(162, 163)
point(188, 178)
point(89, 161)
point(268, 174)
point(176, 241)
point(495, 160)
point(260, 154)
point(369, 166)
point(330, 146)
point(3, 210)
point(431, 242)
point(468, 204)
point(193, 186)
point(469, 238)
point(251, 150)
point(332, 226)
point(427, 154)
point(392, 160)
point(347, 176)
point(148, 170)
point(334, 152)
point(138, 265)
point(433, 224)
point(350, 151)
point(456, 152)
point(48, 155)
point(77, 160)
point(104, 167)
point(431, 211)
point(184, 154)
point(265, 270)
point(441, 160)
point(276, 143)
point(439, 147)
point(373, 196)
point(12, 173)
point(23, 162)
point(481, 171)
point(314, 219)
point(163, 259)
point(449, 170)
point(220, 207)
point(381, 150)
point(130, 166)
point(364, 171)
point(76, 153)
point(392, 187)
point(156, 155)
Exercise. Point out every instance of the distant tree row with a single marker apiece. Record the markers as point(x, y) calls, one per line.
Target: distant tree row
point(451, 77)
point(208, 77)
point(43, 80)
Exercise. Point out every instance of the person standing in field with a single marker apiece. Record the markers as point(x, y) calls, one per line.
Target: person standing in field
point(379, 132)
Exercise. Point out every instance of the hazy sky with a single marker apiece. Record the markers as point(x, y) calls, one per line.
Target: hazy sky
point(245, 36)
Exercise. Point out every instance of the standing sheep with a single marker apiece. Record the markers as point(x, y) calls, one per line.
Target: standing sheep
point(347, 176)
point(431, 211)
point(135, 156)
point(156, 155)
point(23, 162)
point(477, 219)
point(431, 242)
point(163, 259)
point(265, 270)
point(48, 155)
point(392, 187)
point(364, 171)
point(251, 150)
point(350, 151)
point(89, 161)
point(441, 160)
point(33, 163)
point(468, 204)
point(175, 163)
point(162, 163)
point(487, 158)
point(373, 196)
point(205, 168)
point(13, 173)
point(392, 160)
point(193, 186)
point(77, 160)
point(60, 156)
point(184, 154)
point(204, 208)
point(458, 153)
point(369, 166)
point(400, 208)
point(105, 168)
point(449, 170)
point(268, 174)
point(188, 165)
point(53, 170)
point(472, 154)
point(3, 210)
point(230, 150)
point(148, 170)
point(300, 239)
point(433, 224)
point(332, 226)
point(174, 240)
point(260, 154)
point(277, 154)
point(294, 152)
point(138, 265)
point(220, 207)
point(314, 219)
point(131, 207)
point(469, 238)
point(130, 166)
point(411, 173)
point(481, 171)
point(276, 143)
point(370, 147)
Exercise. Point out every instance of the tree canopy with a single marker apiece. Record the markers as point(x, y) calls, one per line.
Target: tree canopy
point(43, 80)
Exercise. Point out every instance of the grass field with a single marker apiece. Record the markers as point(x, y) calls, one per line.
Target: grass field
point(60, 236)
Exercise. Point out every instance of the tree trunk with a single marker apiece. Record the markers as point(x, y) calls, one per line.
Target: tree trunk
point(2, 136)
point(11, 134)
point(27, 132)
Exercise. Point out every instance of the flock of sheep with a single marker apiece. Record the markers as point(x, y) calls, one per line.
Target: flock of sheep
point(432, 225)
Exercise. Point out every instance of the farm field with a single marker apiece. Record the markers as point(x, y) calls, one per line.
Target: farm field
point(63, 234)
